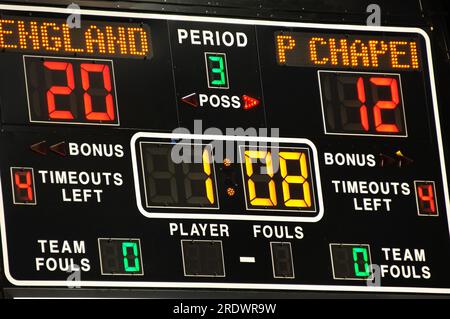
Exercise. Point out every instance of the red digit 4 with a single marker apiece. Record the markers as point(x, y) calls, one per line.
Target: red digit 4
point(24, 185)
point(426, 198)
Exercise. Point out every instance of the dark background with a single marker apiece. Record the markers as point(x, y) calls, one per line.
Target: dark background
point(431, 15)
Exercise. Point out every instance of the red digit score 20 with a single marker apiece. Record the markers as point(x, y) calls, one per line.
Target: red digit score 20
point(71, 91)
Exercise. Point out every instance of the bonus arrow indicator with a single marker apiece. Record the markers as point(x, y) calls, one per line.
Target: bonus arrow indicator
point(403, 160)
point(250, 102)
point(59, 149)
point(40, 148)
point(191, 99)
point(386, 161)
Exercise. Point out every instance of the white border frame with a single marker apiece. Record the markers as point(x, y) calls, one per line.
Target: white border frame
point(417, 199)
point(313, 181)
point(226, 69)
point(215, 207)
point(120, 239)
point(313, 157)
point(359, 134)
point(203, 241)
point(273, 259)
point(351, 245)
point(116, 100)
point(206, 285)
point(34, 203)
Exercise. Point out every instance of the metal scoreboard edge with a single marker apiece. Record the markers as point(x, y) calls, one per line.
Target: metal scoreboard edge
point(206, 285)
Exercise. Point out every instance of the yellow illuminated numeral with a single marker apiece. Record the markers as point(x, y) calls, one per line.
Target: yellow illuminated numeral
point(301, 179)
point(206, 157)
point(254, 200)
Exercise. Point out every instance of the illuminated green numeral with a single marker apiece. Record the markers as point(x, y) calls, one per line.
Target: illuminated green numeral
point(217, 70)
point(357, 252)
point(126, 258)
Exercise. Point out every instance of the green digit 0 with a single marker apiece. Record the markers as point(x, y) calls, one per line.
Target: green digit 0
point(218, 70)
point(126, 262)
point(366, 271)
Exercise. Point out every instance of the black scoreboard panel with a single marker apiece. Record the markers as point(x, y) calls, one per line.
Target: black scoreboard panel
point(158, 151)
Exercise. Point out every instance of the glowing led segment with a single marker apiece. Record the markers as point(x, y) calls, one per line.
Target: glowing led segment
point(109, 114)
point(301, 180)
point(284, 43)
point(250, 156)
point(392, 83)
point(209, 186)
point(278, 179)
point(130, 263)
point(217, 70)
point(338, 51)
point(351, 262)
point(313, 51)
point(60, 90)
point(72, 91)
point(347, 51)
point(178, 177)
point(187, 181)
point(362, 103)
point(377, 48)
point(364, 269)
point(36, 35)
point(120, 257)
point(22, 181)
point(359, 53)
point(426, 198)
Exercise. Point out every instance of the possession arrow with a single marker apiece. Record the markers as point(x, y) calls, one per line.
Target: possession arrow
point(250, 102)
point(191, 99)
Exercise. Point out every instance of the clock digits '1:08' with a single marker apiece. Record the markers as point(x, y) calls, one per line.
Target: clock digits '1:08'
point(72, 91)
point(278, 178)
point(178, 184)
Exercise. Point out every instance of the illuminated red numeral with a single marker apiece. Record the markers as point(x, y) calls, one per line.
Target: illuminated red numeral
point(426, 198)
point(386, 105)
point(362, 104)
point(53, 112)
point(23, 186)
point(363, 109)
point(108, 115)
point(23, 183)
point(86, 109)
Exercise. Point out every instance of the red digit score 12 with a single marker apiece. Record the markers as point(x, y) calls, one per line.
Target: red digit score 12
point(363, 104)
point(71, 91)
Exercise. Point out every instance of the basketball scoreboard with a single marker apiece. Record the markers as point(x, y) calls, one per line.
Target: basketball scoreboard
point(162, 151)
